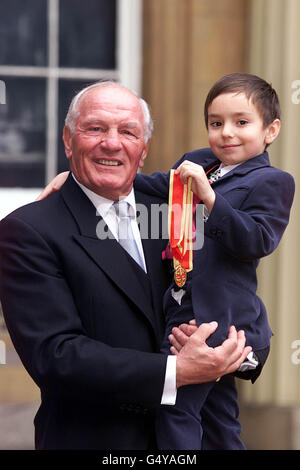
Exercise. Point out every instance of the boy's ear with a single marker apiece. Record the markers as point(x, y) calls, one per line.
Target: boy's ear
point(272, 131)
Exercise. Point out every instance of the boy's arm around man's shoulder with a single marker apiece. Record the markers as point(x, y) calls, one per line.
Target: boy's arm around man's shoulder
point(156, 184)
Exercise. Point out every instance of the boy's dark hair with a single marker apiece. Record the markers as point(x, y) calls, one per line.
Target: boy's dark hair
point(255, 88)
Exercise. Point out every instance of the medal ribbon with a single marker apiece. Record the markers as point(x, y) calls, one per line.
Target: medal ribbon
point(180, 221)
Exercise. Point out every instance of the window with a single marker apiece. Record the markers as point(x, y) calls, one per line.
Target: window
point(49, 49)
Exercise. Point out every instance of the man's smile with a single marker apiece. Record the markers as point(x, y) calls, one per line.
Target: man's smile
point(102, 161)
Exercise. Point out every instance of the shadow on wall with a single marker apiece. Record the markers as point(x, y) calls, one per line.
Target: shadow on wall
point(18, 398)
point(16, 426)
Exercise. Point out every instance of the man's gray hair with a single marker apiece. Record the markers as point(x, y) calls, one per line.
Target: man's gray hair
point(73, 112)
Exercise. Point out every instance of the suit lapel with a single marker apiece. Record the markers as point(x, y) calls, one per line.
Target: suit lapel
point(124, 273)
point(153, 246)
point(150, 244)
point(261, 161)
point(107, 254)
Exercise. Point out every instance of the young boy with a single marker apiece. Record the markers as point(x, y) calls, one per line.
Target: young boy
point(247, 203)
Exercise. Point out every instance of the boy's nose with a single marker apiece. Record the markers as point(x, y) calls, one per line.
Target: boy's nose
point(227, 130)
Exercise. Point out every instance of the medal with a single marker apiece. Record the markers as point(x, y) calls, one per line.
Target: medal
point(180, 227)
point(180, 276)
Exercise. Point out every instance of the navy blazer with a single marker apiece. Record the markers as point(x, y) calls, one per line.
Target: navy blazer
point(86, 321)
point(250, 214)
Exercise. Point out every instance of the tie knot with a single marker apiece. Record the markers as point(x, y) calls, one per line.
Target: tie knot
point(215, 175)
point(122, 209)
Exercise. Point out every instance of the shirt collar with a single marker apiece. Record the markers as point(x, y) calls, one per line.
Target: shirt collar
point(225, 169)
point(102, 204)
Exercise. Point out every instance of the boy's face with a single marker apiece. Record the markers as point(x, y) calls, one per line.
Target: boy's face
point(235, 129)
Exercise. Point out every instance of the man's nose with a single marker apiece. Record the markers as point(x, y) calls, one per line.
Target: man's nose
point(111, 141)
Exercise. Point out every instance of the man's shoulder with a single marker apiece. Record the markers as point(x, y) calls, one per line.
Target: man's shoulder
point(37, 213)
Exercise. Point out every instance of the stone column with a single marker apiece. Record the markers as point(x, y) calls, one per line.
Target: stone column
point(271, 411)
point(187, 46)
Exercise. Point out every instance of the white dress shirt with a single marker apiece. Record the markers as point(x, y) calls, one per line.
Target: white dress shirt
point(107, 211)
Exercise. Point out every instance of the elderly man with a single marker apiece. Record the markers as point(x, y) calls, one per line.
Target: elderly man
point(84, 314)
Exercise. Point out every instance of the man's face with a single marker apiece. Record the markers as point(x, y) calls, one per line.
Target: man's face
point(107, 145)
point(235, 129)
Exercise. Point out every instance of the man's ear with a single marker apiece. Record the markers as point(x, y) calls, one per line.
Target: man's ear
point(272, 131)
point(144, 154)
point(67, 138)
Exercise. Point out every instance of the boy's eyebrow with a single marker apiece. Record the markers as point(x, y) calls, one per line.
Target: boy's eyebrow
point(237, 114)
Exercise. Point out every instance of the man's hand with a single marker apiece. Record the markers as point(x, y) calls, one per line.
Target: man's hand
point(198, 363)
point(200, 184)
point(54, 185)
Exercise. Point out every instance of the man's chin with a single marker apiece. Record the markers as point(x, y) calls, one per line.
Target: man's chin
point(110, 190)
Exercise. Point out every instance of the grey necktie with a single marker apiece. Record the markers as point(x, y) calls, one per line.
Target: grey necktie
point(125, 234)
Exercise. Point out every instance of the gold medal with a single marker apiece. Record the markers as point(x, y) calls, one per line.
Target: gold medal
point(180, 276)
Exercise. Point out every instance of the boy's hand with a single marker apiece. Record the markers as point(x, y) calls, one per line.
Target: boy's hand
point(200, 183)
point(197, 362)
point(180, 335)
point(54, 185)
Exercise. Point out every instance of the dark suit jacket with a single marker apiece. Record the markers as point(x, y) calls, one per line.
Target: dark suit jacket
point(86, 322)
point(248, 219)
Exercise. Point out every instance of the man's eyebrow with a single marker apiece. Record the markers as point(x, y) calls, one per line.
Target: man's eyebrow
point(91, 120)
point(129, 123)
